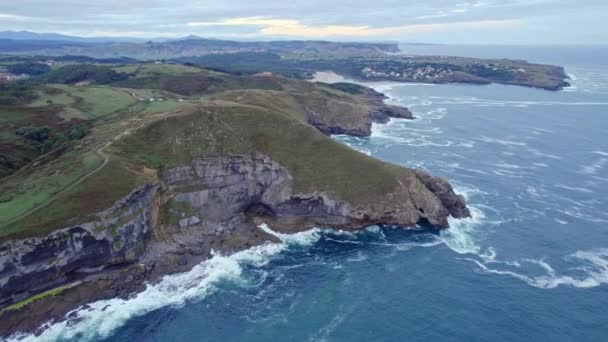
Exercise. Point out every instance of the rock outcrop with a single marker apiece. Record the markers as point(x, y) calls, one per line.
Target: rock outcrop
point(360, 126)
point(34, 265)
point(332, 116)
point(211, 204)
point(221, 189)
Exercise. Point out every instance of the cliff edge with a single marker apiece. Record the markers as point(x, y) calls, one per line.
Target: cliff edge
point(214, 173)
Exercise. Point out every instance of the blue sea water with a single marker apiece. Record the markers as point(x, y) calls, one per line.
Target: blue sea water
point(530, 265)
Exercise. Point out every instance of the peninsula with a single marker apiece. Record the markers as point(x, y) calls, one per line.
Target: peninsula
point(117, 174)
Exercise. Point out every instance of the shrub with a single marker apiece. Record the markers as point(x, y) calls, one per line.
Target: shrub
point(29, 68)
point(16, 94)
point(40, 134)
point(71, 74)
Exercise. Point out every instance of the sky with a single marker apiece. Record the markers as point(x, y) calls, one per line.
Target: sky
point(428, 21)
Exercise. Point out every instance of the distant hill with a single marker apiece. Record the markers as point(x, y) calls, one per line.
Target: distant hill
point(33, 45)
point(56, 45)
point(28, 35)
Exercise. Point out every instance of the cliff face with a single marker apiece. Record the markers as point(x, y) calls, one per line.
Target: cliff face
point(212, 204)
point(221, 189)
point(33, 265)
point(334, 120)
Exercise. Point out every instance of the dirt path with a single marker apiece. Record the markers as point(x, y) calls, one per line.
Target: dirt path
point(99, 152)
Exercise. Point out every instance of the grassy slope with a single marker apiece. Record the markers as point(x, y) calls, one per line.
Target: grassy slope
point(149, 70)
point(300, 97)
point(84, 103)
point(16, 149)
point(43, 183)
point(266, 120)
point(317, 162)
point(94, 194)
point(61, 106)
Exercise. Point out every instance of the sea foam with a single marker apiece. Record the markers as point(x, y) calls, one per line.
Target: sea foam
point(595, 270)
point(103, 317)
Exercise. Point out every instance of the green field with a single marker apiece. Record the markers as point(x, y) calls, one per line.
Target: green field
point(84, 102)
point(201, 114)
point(316, 162)
point(93, 194)
point(98, 101)
point(19, 197)
point(151, 70)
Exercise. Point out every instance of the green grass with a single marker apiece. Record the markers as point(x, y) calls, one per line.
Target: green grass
point(317, 162)
point(17, 150)
point(129, 69)
point(269, 116)
point(166, 106)
point(80, 203)
point(201, 83)
point(23, 303)
point(151, 69)
point(84, 102)
point(43, 184)
point(52, 96)
point(98, 101)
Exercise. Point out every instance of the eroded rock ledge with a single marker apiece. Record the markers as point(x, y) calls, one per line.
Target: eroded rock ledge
point(374, 111)
point(211, 204)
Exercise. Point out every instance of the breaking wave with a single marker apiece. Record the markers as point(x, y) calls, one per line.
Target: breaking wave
point(589, 269)
point(100, 319)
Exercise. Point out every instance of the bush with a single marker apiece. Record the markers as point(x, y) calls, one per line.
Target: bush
point(29, 68)
point(50, 142)
point(71, 74)
point(16, 94)
point(40, 134)
point(75, 132)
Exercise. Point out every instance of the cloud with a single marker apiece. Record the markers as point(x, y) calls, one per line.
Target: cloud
point(434, 21)
point(294, 28)
point(12, 17)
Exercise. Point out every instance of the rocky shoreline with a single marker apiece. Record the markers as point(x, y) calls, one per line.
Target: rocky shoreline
point(247, 190)
point(171, 225)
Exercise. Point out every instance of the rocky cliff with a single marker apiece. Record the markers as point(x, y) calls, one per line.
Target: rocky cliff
point(223, 188)
point(34, 265)
point(213, 203)
point(216, 172)
point(337, 117)
point(361, 126)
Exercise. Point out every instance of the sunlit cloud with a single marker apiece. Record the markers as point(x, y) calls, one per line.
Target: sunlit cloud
point(12, 17)
point(289, 27)
point(432, 21)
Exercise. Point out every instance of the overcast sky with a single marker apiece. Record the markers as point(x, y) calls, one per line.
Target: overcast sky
point(433, 21)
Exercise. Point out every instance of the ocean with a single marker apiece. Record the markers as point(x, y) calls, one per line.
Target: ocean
point(530, 265)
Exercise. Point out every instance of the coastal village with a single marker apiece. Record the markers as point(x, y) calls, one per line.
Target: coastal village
point(435, 73)
point(426, 73)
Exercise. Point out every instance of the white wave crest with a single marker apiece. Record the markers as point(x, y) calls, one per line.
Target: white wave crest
point(501, 142)
point(574, 188)
point(460, 237)
point(592, 263)
point(301, 239)
point(105, 316)
point(601, 153)
point(593, 168)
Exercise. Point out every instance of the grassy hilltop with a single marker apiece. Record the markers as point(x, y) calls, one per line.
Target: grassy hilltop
point(138, 118)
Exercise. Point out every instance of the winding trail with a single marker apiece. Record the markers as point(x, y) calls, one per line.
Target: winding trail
point(99, 152)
